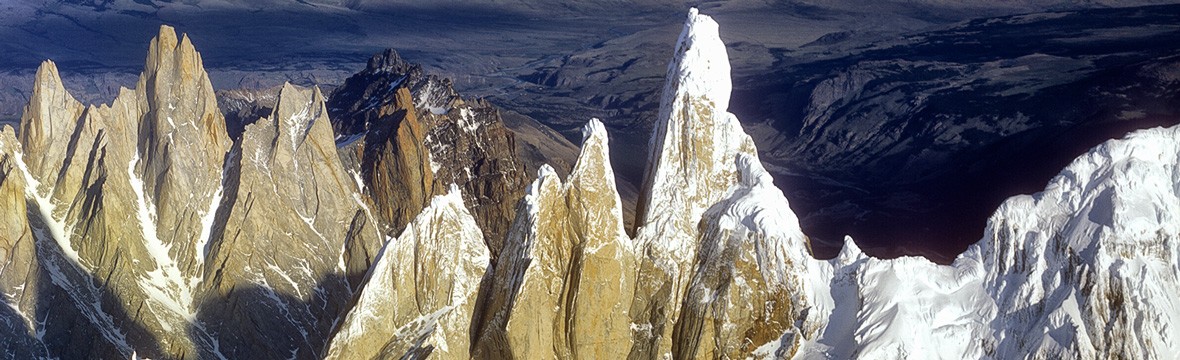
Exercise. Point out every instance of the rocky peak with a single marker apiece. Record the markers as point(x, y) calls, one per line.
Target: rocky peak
point(462, 142)
point(419, 297)
point(749, 285)
point(297, 112)
point(353, 103)
point(691, 166)
point(394, 162)
point(389, 61)
point(565, 251)
point(695, 139)
point(182, 143)
point(286, 189)
point(48, 122)
point(178, 93)
point(19, 265)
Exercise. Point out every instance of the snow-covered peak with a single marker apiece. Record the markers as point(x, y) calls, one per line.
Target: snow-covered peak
point(594, 161)
point(593, 131)
point(693, 150)
point(701, 62)
point(1095, 255)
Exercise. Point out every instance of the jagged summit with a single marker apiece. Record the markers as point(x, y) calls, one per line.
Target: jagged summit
point(462, 142)
point(303, 110)
point(419, 302)
point(48, 121)
point(693, 120)
point(691, 165)
point(389, 61)
point(565, 247)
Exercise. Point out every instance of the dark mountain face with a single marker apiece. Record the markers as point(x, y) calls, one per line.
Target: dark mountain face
point(908, 145)
point(394, 122)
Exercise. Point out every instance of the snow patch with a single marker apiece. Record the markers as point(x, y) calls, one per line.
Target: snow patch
point(165, 284)
point(203, 243)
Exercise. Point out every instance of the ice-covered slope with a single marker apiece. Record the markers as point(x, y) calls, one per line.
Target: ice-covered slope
point(1086, 269)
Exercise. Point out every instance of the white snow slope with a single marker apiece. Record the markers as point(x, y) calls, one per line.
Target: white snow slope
point(1086, 269)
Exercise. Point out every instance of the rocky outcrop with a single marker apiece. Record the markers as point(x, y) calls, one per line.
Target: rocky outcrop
point(467, 142)
point(19, 281)
point(50, 117)
point(395, 163)
point(566, 251)
point(154, 157)
point(420, 294)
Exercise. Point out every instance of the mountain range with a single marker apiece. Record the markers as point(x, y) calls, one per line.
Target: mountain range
point(393, 218)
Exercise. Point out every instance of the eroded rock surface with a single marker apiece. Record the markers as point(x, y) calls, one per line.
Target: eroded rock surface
point(420, 295)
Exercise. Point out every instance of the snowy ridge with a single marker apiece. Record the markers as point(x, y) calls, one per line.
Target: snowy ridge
point(756, 206)
point(1096, 252)
point(1085, 269)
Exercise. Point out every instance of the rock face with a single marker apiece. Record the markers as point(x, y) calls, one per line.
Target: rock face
point(566, 251)
point(394, 161)
point(19, 280)
point(396, 109)
point(690, 167)
point(748, 285)
point(143, 220)
point(286, 192)
point(421, 293)
point(154, 157)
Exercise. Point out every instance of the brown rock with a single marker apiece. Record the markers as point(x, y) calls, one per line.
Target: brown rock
point(467, 141)
point(562, 288)
point(295, 231)
point(395, 165)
